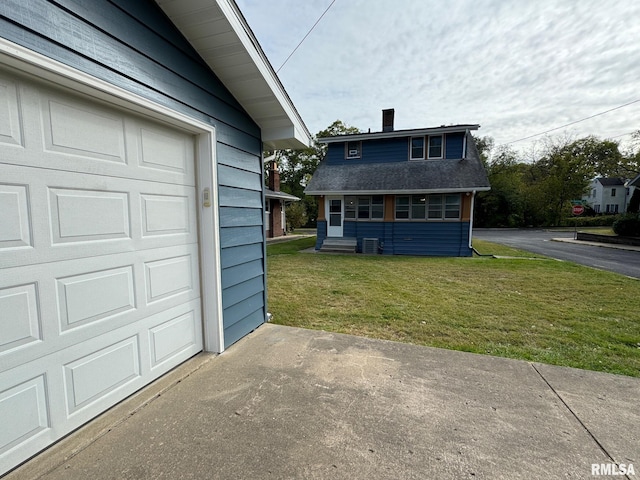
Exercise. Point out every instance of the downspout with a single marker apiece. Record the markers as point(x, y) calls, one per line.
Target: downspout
point(464, 145)
point(473, 198)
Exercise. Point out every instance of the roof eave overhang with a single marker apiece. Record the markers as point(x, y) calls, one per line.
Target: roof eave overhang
point(281, 196)
point(400, 133)
point(398, 192)
point(634, 183)
point(222, 37)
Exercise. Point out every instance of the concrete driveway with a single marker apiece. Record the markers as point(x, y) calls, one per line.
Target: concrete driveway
point(288, 403)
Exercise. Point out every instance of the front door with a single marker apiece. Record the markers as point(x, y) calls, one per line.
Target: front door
point(334, 214)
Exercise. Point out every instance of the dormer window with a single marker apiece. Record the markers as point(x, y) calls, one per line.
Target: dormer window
point(435, 146)
point(353, 149)
point(417, 148)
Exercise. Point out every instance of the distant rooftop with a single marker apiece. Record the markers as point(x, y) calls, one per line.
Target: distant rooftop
point(415, 132)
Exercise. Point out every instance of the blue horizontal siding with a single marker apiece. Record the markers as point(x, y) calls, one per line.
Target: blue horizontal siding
point(237, 330)
point(240, 216)
point(241, 273)
point(321, 233)
point(454, 144)
point(234, 177)
point(242, 291)
point(235, 197)
point(431, 238)
point(389, 150)
point(373, 151)
point(240, 310)
point(235, 236)
point(237, 255)
point(232, 157)
point(450, 239)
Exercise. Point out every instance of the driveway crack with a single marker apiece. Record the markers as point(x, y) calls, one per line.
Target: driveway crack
point(586, 429)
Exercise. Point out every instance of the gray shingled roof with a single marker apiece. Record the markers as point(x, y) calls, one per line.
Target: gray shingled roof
point(410, 176)
point(610, 182)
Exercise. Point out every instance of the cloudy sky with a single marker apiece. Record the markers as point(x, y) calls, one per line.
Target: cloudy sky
point(516, 67)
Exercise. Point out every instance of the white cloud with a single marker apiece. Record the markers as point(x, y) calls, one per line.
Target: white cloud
point(516, 68)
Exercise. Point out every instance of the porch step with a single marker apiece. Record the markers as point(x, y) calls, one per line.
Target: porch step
point(339, 245)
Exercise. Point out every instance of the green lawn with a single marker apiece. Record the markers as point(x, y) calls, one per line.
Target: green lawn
point(529, 308)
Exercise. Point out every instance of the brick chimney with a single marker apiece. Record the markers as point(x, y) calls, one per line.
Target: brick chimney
point(274, 177)
point(387, 120)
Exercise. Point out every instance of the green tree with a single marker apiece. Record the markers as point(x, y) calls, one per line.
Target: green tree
point(296, 215)
point(538, 192)
point(562, 174)
point(503, 205)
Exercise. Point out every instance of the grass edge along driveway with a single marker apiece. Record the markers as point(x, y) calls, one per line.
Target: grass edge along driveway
point(524, 306)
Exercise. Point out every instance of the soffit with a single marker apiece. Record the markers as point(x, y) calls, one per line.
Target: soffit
point(222, 37)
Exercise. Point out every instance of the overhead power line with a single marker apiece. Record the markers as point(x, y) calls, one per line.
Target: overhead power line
point(305, 37)
point(573, 123)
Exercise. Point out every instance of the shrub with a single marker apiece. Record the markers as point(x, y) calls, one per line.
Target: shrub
point(627, 225)
point(296, 215)
point(585, 221)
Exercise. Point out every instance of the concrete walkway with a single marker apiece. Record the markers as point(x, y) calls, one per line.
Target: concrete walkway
point(288, 403)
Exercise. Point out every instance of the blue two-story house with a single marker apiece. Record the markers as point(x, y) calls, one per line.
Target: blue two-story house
point(399, 192)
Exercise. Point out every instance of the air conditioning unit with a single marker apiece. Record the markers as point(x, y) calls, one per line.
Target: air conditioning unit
point(370, 246)
point(353, 153)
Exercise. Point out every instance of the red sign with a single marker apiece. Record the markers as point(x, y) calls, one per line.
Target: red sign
point(578, 209)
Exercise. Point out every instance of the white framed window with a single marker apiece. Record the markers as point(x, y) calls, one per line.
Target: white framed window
point(436, 146)
point(428, 207)
point(416, 148)
point(353, 149)
point(402, 207)
point(613, 192)
point(366, 207)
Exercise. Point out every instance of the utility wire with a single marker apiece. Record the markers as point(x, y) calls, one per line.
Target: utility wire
point(622, 135)
point(573, 123)
point(305, 37)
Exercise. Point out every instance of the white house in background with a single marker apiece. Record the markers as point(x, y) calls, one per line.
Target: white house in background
point(608, 195)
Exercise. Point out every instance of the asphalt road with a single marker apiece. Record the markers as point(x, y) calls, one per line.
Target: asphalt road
point(620, 261)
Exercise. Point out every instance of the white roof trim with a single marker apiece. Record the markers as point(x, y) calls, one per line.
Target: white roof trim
point(399, 133)
point(222, 37)
point(399, 192)
point(633, 183)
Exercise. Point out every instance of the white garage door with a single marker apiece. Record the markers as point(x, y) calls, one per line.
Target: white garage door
point(99, 278)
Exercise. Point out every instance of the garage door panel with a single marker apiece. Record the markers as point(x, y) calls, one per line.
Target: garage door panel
point(108, 215)
point(54, 307)
point(163, 149)
point(88, 215)
point(172, 337)
point(62, 131)
point(10, 113)
point(166, 215)
point(20, 322)
point(80, 129)
point(96, 375)
point(89, 297)
point(15, 225)
point(170, 276)
point(23, 412)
